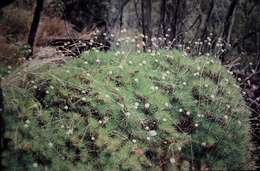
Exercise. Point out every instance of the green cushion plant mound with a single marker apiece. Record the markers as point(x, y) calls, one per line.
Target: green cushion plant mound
point(130, 112)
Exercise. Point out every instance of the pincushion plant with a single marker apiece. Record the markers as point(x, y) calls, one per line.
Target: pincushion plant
point(140, 111)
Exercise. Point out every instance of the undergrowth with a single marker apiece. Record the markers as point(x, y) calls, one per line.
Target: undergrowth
point(137, 111)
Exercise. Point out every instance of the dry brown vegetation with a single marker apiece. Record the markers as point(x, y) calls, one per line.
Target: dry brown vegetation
point(52, 27)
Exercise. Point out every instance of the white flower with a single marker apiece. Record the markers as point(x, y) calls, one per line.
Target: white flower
point(164, 119)
point(120, 66)
point(152, 133)
point(147, 128)
point(98, 61)
point(196, 125)
point(35, 165)
point(50, 144)
point(86, 62)
point(70, 131)
point(147, 105)
point(127, 113)
point(66, 107)
point(84, 99)
point(148, 138)
point(206, 85)
point(100, 121)
point(35, 87)
point(167, 104)
point(26, 125)
point(172, 160)
point(179, 148)
point(226, 117)
point(212, 96)
point(184, 83)
point(204, 144)
point(188, 113)
point(180, 110)
point(130, 62)
point(134, 141)
point(196, 74)
point(27, 121)
point(136, 80)
point(110, 72)
point(93, 138)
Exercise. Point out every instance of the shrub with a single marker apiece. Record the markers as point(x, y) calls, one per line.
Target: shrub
point(127, 112)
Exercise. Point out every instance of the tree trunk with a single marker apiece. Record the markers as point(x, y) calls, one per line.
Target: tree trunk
point(258, 45)
point(146, 22)
point(228, 20)
point(35, 23)
point(174, 26)
point(162, 18)
point(206, 10)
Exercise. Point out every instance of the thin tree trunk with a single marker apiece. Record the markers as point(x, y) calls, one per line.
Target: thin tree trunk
point(146, 22)
point(228, 20)
point(212, 4)
point(35, 23)
point(162, 17)
point(205, 18)
point(231, 27)
point(175, 18)
point(258, 45)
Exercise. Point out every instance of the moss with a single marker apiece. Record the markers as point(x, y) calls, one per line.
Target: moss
point(135, 112)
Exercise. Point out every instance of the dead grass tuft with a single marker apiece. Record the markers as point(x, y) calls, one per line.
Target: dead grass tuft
point(52, 27)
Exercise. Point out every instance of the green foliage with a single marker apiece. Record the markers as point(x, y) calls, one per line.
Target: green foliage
point(130, 112)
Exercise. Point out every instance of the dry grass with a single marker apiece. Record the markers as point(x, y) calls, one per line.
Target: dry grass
point(9, 53)
point(16, 21)
point(51, 27)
